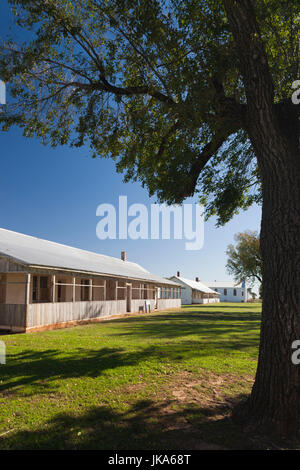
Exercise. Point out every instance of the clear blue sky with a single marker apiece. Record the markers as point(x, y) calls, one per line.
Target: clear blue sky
point(54, 193)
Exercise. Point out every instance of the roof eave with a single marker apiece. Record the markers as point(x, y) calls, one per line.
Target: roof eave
point(93, 273)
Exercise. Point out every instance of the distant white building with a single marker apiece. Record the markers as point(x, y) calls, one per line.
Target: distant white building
point(229, 291)
point(194, 292)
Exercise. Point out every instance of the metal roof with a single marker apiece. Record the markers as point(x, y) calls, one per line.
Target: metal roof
point(224, 284)
point(196, 285)
point(36, 252)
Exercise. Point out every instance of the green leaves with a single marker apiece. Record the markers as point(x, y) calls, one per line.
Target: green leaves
point(244, 260)
point(154, 85)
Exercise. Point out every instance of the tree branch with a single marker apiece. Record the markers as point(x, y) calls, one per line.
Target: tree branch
point(231, 118)
point(253, 60)
point(207, 153)
point(164, 140)
point(103, 83)
point(257, 277)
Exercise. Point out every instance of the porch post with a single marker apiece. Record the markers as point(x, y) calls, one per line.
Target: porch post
point(27, 291)
point(74, 290)
point(53, 288)
point(104, 294)
point(27, 299)
point(116, 291)
point(90, 289)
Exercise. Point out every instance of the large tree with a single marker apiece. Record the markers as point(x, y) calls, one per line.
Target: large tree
point(187, 96)
point(244, 260)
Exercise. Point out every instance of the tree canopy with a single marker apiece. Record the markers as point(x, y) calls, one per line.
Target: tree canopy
point(155, 85)
point(244, 260)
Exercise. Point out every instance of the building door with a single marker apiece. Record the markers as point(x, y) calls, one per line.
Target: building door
point(128, 297)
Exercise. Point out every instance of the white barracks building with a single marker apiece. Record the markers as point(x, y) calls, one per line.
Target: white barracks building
point(195, 292)
point(229, 291)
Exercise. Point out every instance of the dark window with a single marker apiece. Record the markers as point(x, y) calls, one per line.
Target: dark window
point(225, 291)
point(234, 291)
point(59, 291)
point(2, 289)
point(44, 293)
point(34, 288)
point(85, 290)
point(43, 282)
point(242, 293)
point(144, 291)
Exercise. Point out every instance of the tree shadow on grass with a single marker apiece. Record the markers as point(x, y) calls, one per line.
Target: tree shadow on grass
point(211, 325)
point(41, 368)
point(145, 425)
point(40, 372)
point(175, 336)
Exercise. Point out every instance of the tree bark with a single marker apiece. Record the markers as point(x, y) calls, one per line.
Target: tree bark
point(274, 404)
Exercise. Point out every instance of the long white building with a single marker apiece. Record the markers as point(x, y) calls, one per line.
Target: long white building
point(45, 285)
point(195, 292)
point(229, 291)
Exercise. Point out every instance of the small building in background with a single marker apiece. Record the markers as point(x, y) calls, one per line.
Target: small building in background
point(229, 291)
point(195, 292)
point(48, 285)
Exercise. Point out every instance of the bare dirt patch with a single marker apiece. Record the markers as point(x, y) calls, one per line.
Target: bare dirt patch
point(186, 405)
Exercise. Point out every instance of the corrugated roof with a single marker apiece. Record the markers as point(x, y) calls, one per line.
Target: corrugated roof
point(37, 252)
point(195, 285)
point(222, 284)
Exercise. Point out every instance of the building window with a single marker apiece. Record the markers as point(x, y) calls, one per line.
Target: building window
point(234, 291)
point(59, 291)
point(242, 293)
point(225, 291)
point(40, 289)
point(2, 289)
point(85, 290)
point(34, 288)
point(44, 294)
point(144, 291)
point(43, 282)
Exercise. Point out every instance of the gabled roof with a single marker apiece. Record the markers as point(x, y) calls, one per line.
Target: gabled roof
point(224, 284)
point(196, 285)
point(32, 251)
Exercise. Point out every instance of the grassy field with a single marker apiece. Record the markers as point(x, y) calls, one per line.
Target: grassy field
point(160, 381)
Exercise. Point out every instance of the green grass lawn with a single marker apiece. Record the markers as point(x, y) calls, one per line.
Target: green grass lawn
point(160, 381)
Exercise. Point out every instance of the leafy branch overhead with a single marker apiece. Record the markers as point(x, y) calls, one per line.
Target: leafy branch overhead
point(154, 85)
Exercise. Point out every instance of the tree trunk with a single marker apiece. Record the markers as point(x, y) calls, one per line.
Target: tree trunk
point(274, 404)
